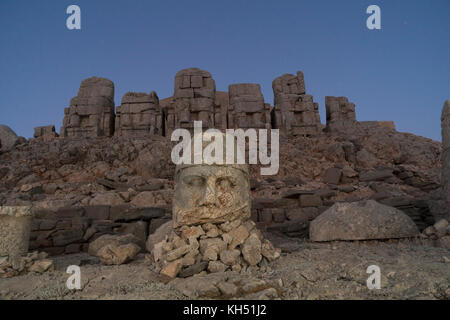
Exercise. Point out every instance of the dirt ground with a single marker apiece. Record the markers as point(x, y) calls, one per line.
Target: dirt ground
point(409, 270)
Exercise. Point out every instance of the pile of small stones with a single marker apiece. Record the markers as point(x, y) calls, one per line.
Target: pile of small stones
point(19, 265)
point(209, 248)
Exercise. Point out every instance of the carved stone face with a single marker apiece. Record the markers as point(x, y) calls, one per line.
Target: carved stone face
point(210, 193)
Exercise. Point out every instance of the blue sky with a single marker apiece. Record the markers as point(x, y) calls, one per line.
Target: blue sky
point(399, 73)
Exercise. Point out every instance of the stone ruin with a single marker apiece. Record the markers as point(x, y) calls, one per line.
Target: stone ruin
point(139, 115)
point(15, 229)
point(211, 228)
point(91, 112)
point(193, 99)
point(214, 237)
point(295, 112)
point(247, 108)
point(340, 114)
point(45, 132)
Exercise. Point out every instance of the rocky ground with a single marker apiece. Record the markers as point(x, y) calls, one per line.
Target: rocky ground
point(82, 189)
point(410, 269)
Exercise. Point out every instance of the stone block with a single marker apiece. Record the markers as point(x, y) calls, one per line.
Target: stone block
point(69, 212)
point(340, 114)
point(265, 215)
point(139, 115)
point(45, 132)
point(91, 112)
point(333, 175)
point(156, 223)
point(64, 237)
point(196, 81)
point(294, 112)
point(97, 212)
point(73, 248)
point(15, 228)
point(310, 201)
point(193, 100)
point(123, 212)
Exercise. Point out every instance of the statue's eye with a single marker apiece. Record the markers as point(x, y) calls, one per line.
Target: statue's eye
point(194, 181)
point(225, 184)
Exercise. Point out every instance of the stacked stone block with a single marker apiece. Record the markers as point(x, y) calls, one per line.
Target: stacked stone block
point(139, 115)
point(247, 108)
point(71, 229)
point(295, 112)
point(91, 112)
point(194, 96)
point(340, 114)
point(45, 132)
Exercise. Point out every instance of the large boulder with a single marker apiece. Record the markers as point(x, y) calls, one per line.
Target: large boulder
point(113, 240)
point(159, 235)
point(8, 138)
point(114, 254)
point(364, 220)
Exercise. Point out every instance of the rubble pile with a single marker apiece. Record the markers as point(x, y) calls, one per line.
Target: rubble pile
point(211, 248)
point(19, 265)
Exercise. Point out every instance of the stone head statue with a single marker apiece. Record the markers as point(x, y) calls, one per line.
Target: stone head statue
point(211, 193)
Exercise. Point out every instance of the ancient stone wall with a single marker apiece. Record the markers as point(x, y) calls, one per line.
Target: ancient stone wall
point(91, 112)
point(45, 132)
point(70, 229)
point(295, 112)
point(140, 114)
point(340, 114)
point(247, 108)
point(193, 100)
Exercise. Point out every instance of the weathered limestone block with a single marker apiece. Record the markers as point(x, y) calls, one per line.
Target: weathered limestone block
point(45, 132)
point(113, 240)
point(247, 108)
point(118, 254)
point(295, 112)
point(340, 114)
point(91, 112)
point(139, 115)
point(445, 173)
point(194, 96)
point(15, 228)
point(364, 220)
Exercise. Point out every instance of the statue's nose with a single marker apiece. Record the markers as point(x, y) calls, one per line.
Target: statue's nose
point(209, 194)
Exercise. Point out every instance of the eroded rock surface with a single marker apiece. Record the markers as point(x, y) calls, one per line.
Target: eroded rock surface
point(365, 220)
